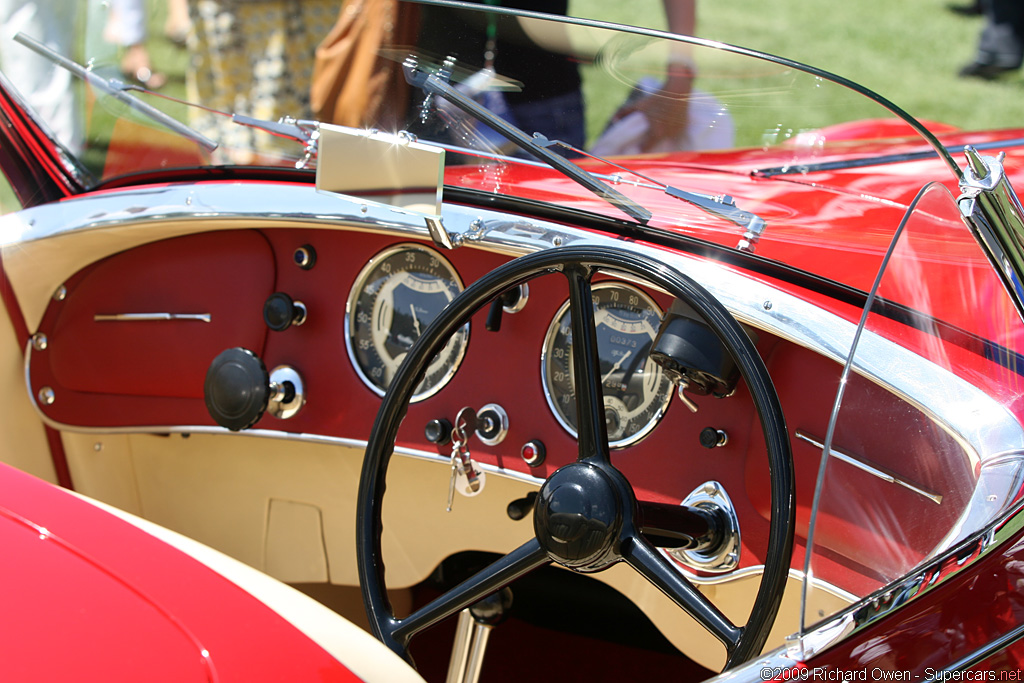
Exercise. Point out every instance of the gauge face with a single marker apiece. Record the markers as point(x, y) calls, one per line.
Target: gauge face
point(636, 390)
point(397, 294)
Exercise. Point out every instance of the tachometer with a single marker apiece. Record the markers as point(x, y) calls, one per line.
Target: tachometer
point(396, 295)
point(636, 390)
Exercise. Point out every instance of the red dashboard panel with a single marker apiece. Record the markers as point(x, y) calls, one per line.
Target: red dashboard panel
point(104, 364)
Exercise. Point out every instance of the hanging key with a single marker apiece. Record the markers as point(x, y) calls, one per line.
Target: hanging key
point(465, 477)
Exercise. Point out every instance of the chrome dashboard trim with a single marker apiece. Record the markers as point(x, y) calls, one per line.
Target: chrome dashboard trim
point(982, 427)
point(148, 317)
point(861, 464)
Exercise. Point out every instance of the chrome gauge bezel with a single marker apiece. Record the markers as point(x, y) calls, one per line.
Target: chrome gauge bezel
point(548, 347)
point(453, 356)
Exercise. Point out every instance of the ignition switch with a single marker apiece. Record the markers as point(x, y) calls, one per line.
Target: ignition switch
point(492, 424)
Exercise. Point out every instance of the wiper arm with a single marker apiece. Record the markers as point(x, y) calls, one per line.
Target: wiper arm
point(118, 90)
point(722, 206)
point(432, 85)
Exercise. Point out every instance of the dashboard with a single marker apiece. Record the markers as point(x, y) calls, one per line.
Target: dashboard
point(126, 344)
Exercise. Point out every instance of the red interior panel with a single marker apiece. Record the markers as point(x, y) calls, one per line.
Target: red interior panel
point(227, 275)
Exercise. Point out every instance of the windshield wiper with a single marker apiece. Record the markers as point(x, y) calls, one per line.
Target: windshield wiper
point(433, 85)
point(118, 90)
point(722, 206)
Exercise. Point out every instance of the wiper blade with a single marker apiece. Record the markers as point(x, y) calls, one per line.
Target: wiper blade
point(432, 85)
point(118, 90)
point(722, 206)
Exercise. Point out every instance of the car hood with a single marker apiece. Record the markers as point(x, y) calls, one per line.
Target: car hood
point(88, 596)
point(833, 218)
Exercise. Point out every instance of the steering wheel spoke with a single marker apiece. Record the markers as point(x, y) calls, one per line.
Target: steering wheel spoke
point(590, 419)
point(494, 577)
point(652, 565)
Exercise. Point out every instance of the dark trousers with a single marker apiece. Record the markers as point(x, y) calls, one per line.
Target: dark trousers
point(1002, 40)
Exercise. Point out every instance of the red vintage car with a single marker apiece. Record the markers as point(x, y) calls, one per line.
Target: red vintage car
point(571, 350)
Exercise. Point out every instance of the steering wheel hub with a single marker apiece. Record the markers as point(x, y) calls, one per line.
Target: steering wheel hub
point(578, 516)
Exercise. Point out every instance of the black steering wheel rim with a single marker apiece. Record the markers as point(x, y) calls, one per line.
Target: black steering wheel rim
point(579, 263)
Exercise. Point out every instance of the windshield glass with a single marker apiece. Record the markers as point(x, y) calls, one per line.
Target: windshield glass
point(710, 141)
point(924, 448)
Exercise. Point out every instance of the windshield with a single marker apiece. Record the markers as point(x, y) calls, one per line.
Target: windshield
point(705, 140)
point(924, 449)
point(605, 90)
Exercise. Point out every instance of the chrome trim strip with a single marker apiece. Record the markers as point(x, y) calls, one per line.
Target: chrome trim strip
point(866, 467)
point(146, 317)
point(978, 655)
point(994, 212)
point(857, 617)
point(932, 574)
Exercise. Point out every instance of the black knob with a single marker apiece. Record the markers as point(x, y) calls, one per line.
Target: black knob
point(508, 299)
point(438, 431)
point(712, 438)
point(280, 312)
point(237, 389)
point(520, 507)
point(493, 609)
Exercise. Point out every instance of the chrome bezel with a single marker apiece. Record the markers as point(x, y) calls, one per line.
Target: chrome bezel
point(640, 434)
point(357, 289)
point(283, 410)
point(726, 557)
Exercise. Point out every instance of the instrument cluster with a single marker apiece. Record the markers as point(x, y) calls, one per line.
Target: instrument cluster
point(404, 287)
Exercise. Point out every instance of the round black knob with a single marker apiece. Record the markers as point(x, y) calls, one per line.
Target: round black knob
point(520, 507)
point(493, 609)
point(237, 389)
point(712, 438)
point(280, 312)
point(438, 431)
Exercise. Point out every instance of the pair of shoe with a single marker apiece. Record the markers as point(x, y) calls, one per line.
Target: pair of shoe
point(986, 72)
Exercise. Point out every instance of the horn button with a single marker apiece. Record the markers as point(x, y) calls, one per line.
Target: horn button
point(578, 516)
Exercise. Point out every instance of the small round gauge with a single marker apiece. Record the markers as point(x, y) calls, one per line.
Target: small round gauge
point(396, 295)
point(636, 389)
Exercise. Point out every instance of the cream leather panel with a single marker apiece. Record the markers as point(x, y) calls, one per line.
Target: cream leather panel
point(21, 431)
point(220, 490)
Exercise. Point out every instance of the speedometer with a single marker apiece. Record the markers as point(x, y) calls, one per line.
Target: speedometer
point(636, 390)
point(396, 295)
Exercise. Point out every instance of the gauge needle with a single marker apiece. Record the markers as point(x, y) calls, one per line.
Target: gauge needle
point(616, 366)
point(415, 320)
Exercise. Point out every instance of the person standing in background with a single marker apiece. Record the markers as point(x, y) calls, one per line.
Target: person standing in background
point(1001, 44)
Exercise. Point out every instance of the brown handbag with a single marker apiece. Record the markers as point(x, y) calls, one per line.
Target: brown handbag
point(351, 80)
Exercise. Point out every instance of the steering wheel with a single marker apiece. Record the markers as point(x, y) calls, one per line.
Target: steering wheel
point(586, 516)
